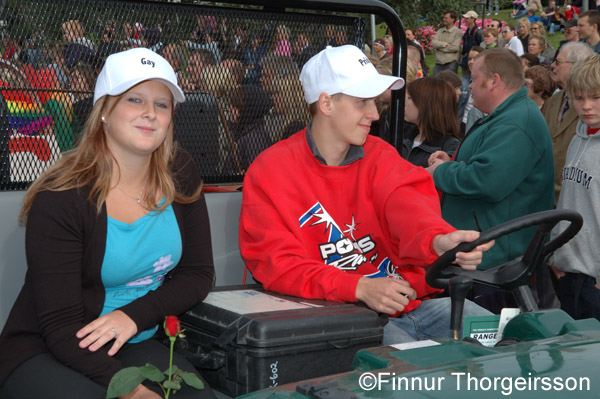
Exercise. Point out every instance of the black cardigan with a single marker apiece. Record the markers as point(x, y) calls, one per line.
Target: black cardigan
point(65, 244)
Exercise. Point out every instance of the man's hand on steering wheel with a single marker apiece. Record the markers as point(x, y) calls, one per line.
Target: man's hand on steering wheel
point(466, 260)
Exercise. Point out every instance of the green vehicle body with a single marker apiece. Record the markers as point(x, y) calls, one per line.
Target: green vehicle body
point(556, 357)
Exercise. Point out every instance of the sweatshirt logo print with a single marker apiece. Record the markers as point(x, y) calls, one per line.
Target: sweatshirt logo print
point(577, 175)
point(345, 253)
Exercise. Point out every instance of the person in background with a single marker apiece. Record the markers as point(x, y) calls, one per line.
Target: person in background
point(175, 55)
point(413, 53)
point(78, 48)
point(537, 45)
point(571, 35)
point(537, 28)
point(558, 22)
point(491, 5)
point(446, 44)
point(577, 269)
point(251, 57)
point(531, 16)
point(473, 37)
point(548, 13)
point(571, 12)
point(490, 38)
point(432, 106)
point(379, 49)
point(197, 62)
point(529, 60)
point(467, 114)
point(282, 43)
point(389, 44)
point(411, 40)
point(518, 8)
point(117, 238)
point(540, 85)
point(512, 41)
point(560, 117)
point(303, 49)
point(523, 32)
point(587, 26)
point(503, 168)
point(453, 80)
point(248, 106)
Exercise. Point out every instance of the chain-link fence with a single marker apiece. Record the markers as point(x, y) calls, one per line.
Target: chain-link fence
point(239, 68)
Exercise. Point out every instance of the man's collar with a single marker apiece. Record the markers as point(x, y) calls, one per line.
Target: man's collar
point(354, 153)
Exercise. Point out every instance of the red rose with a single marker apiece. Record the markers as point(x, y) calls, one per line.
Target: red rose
point(172, 326)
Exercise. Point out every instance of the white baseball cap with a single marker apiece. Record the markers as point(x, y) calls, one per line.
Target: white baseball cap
point(125, 69)
point(344, 69)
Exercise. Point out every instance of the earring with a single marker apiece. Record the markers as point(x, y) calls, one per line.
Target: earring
point(103, 119)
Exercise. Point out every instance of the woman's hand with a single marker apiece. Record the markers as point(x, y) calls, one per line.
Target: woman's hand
point(114, 325)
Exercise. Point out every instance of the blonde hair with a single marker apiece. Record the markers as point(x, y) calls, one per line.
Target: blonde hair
point(584, 77)
point(525, 22)
point(91, 163)
point(411, 72)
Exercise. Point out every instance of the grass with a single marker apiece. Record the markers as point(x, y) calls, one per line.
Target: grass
point(504, 15)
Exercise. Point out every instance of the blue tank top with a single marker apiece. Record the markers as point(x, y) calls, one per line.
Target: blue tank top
point(137, 258)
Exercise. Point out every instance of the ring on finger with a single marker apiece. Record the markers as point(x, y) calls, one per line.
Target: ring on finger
point(115, 331)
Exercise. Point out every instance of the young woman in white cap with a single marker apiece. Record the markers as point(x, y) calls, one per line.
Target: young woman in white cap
point(117, 238)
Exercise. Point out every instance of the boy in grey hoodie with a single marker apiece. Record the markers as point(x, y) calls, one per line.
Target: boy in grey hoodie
point(576, 263)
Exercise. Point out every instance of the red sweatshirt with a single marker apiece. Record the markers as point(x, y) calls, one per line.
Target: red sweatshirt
point(312, 230)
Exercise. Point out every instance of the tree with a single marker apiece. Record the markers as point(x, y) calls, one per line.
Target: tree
point(413, 12)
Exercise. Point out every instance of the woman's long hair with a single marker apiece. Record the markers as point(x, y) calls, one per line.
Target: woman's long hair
point(438, 108)
point(91, 163)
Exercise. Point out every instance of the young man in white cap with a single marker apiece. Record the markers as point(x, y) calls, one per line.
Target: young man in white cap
point(332, 212)
point(472, 37)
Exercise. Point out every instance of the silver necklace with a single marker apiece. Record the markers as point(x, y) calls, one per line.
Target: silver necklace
point(138, 199)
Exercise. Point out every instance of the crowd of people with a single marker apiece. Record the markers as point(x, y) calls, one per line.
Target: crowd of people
point(214, 58)
point(536, 151)
point(118, 233)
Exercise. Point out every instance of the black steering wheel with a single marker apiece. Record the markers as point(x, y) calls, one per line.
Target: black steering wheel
point(519, 271)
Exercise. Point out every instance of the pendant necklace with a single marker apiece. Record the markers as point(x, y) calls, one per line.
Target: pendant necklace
point(138, 199)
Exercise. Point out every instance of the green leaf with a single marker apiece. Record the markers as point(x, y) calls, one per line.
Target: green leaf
point(124, 381)
point(152, 373)
point(171, 385)
point(173, 370)
point(191, 379)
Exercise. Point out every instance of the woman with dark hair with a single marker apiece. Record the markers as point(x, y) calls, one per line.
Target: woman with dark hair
point(432, 106)
point(540, 85)
point(247, 109)
point(529, 60)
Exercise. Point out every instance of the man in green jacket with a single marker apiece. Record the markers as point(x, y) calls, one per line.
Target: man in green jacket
point(504, 168)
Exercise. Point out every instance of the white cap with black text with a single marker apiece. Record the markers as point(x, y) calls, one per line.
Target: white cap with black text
point(125, 69)
point(347, 70)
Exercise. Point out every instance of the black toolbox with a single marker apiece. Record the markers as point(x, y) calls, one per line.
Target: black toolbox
point(243, 339)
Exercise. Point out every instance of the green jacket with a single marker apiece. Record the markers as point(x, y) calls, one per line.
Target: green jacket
point(503, 169)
